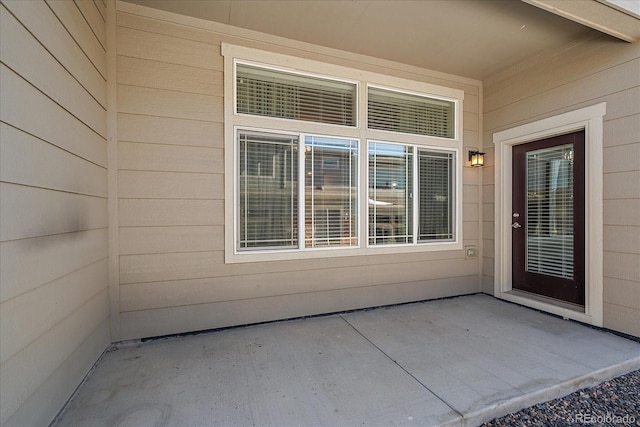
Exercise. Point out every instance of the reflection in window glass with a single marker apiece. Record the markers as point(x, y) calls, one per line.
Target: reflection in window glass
point(435, 194)
point(390, 193)
point(267, 191)
point(331, 191)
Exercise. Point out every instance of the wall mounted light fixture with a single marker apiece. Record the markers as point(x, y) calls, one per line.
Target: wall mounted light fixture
point(476, 158)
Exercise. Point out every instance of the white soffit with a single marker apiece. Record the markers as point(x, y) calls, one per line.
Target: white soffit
point(618, 18)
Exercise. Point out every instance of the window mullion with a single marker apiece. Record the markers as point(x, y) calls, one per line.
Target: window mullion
point(416, 195)
point(301, 192)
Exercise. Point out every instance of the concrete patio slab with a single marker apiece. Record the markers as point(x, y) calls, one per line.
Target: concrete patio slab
point(459, 361)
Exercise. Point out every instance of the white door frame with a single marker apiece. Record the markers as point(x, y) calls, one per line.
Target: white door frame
point(591, 120)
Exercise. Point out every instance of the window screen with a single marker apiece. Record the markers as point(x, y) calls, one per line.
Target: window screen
point(331, 192)
point(272, 93)
point(390, 193)
point(435, 193)
point(407, 113)
point(267, 191)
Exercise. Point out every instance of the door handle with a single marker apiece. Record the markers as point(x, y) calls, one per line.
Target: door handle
point(516, 225)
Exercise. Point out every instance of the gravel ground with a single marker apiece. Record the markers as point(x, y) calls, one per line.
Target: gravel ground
point(612, 403)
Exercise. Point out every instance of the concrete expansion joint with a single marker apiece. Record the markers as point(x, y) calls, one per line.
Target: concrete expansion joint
point(423, 385)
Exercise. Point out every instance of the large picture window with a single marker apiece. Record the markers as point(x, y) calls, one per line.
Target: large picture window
point(322, 160)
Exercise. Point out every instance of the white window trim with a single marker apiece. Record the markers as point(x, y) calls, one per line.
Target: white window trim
point(233, 121)
point(591, 120)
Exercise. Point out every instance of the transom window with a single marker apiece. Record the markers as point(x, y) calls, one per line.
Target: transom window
point(315, 174)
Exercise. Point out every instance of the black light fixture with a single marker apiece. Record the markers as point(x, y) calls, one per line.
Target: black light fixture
point(476, 158)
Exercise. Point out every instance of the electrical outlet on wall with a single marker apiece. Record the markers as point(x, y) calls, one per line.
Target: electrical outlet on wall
point(470, 252)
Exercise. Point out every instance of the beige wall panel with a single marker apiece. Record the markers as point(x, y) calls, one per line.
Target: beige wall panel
point(470, 193)
point(21, 378)
point(43, 24)
point(169, 158)
point(471, 176)
point(622, 185)
point(78, 26)
point(164, 294)
point(290, 47)
point(95, 19)
point(33, 162)
point(471, 104)
point(470, 212)
point(163, 130)
point(21, 102)
point(47, 400)
point(622, 292)
point(34, 212)
point(488, 194)
point(23, 319)
point(155, 264)
point(471, 121)
point(151, 25)
point(591, 57)
point(159, 212)
point(621, 131)
point(471, 230)
point(623, 319)
point(488, 212)
point(487, 284)
point(488, 175)
point(206, 316)
point(619, 84)
point(622, 238)
point(173, 266)
point(622, 158)
point(169, 185)
point(196, 265)
point(152, 240)
point(166, 103)
point(162, 212)
point(55, 256)
point(102, 8)
point(174, 50)
point(623, 266)
point(161, 75)
point(471, 138)
point(621, 212)
point(29, 59)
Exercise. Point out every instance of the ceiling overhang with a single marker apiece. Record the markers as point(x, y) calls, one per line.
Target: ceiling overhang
point(618, 18)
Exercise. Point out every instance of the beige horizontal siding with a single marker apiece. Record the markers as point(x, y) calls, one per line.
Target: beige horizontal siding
point(161, 212)
point(175, 319)
point(40, 20)
point(95, 19)
point(55, 255)
point(592, 71)
point(165, 130)
point(90, 38)
point(171, 199)
point(21, 102)
point(169, 158)
point(54, 305)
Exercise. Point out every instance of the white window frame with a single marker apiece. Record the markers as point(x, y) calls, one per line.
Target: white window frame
point(590, 119)
point(232, 122)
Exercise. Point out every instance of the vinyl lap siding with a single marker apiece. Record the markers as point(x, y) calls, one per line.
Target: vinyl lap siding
point(171, 199)
point(596, 70)
point(54, 298)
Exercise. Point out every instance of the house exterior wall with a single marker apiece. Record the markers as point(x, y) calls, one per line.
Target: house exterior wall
point(173, 277)
point(54, 309)
point(596, 70)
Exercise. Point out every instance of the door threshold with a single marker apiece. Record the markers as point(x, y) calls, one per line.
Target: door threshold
point(547, 300)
